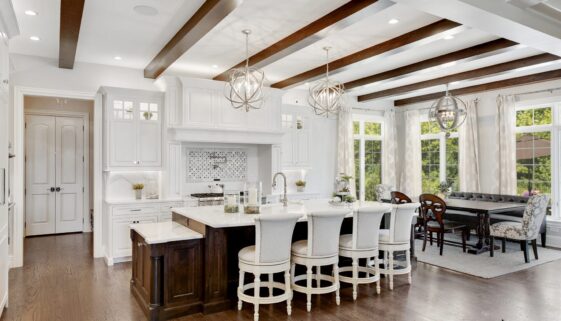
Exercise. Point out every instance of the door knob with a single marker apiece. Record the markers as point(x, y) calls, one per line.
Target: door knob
point(58, 189)
point(52, 189)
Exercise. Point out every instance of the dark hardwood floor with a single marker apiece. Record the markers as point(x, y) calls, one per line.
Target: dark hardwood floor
point(61, 281)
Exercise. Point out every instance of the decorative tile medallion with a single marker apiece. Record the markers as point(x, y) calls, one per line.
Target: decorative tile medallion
point(205, 165)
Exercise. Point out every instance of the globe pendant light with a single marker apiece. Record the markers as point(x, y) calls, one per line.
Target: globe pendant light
point(245, 86)
point(449, 112)
point(326, 95)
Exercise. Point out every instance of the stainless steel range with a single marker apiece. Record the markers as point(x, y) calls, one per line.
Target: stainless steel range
point(208, 199)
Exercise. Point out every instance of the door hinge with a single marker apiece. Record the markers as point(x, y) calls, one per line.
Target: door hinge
point(25, 125)
point(83, 128)
point(83, 189)
point(83, 159)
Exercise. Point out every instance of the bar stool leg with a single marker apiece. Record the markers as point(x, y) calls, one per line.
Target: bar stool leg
point(318, 276)
point(240, 289)
point(336, 276)
point(288, 291)
point(270, 284)
point(408, 264)
point(391, 269)
point(256, 295)
point(355, 278)
point(377, 269)
point(309, 288)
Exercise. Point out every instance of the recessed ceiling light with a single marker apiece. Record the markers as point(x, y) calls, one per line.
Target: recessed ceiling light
point(214, 66)
point(118, 58)
point(34, 38)
point(145, 10)
point(30, 12)
point(448, 37)
point(393, 21)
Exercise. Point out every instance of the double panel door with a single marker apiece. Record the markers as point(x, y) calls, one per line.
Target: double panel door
point(54, 196)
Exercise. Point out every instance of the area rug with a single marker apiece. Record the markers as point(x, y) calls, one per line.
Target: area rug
point(482, 265)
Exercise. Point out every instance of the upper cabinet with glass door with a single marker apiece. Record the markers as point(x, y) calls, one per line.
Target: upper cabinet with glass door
point(132, 129)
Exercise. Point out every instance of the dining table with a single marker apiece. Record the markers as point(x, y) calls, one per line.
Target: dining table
point(484, 211)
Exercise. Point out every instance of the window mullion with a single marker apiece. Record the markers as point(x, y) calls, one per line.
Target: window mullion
point(442, 154)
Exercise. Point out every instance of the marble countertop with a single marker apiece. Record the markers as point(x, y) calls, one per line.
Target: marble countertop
point(163, 232)
point(142, 201)
point(215, 217)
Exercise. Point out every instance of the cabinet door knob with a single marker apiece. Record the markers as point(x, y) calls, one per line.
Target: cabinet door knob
point(5, 81)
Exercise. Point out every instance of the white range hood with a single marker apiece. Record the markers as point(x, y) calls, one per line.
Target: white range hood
point(198, 111)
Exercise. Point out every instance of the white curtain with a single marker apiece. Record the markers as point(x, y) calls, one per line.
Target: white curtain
point(345, 146)
point(411, 178)
point(469, 150)
point(389, 149)
point(505, 123)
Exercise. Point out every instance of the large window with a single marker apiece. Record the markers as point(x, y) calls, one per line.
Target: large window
point(439, 157)
point(368, 155)
point(533, 150)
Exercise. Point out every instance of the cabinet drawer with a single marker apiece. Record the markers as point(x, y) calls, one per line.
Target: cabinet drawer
point(135, 210)
point(167, 207)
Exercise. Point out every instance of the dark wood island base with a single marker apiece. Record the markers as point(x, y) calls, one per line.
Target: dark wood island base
point(167, 277)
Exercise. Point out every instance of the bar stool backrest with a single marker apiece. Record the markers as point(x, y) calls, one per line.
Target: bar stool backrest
point(273, 237)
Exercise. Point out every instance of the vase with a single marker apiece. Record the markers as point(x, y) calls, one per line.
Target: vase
point(138, 194)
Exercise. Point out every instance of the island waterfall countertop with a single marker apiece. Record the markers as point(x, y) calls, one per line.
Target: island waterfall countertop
point(163, 232)
point(215, 217)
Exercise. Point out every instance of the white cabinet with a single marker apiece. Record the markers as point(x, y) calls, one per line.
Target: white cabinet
point(295, 141)
point(132, 128)
point(198, 105)
point(121, 233)
point(118, 218)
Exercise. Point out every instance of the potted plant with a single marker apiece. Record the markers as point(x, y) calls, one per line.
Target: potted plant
point(444, 189)
point(300, 185)
point(138, 187)
point(147, 115)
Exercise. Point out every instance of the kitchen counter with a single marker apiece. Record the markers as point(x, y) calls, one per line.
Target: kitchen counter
point(214, 216)
point(142, 201)
point(163, 232)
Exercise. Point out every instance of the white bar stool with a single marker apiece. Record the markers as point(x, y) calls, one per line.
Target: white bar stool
point(320, 249)
point(397, 238)
point(269, 255)
point(362, 244)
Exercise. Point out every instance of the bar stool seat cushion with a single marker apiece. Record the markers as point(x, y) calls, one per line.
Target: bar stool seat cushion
point(346, 243)
point(300, 248)
point(247, 256)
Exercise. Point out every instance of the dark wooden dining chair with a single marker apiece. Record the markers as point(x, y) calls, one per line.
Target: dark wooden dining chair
point(433, 211)
point(399, 198)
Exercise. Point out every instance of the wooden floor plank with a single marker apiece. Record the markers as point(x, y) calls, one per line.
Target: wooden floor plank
point(61, 281)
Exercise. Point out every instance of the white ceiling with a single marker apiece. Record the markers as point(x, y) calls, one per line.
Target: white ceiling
point(112, 28)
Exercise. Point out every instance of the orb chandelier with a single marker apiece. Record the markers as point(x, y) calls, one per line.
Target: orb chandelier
point(326, 95)
point(244, 88)
point(449, 112)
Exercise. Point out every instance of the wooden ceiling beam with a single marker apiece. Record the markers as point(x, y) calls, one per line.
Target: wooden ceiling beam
point(467, 75)
point(512, 82)
point(468, 54)
point(204, 20)
point(398, 43)
point(337, 19)
point(70, 21)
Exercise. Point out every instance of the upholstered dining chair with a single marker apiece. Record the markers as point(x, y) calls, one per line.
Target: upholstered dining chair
point(526, 231)
point(433, 211)
point(399, 198)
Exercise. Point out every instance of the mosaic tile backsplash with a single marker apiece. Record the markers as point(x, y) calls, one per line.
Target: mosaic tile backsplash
point(204, 165)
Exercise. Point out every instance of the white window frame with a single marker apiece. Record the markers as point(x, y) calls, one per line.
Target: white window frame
point(361, 119)
point(555, 130)
point(442, 147)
